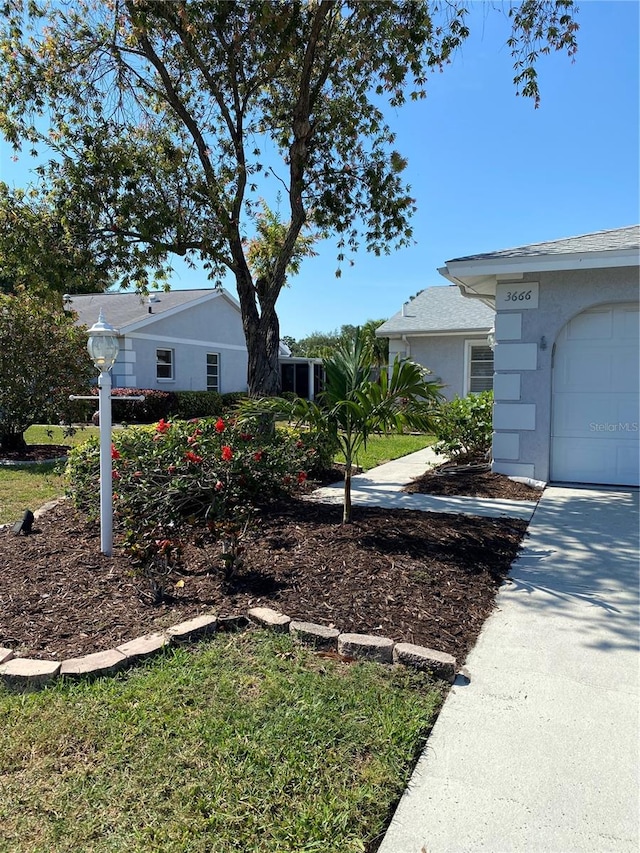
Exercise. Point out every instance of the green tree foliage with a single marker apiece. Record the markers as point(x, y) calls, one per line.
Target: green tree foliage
point(39, 254)
point(322, 344)
point(165, 120)
point(43, 359)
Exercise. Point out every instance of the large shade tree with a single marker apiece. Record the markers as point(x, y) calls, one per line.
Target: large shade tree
point(167, 118)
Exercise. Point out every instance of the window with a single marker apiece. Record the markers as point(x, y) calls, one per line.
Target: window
point(213, 371)
point(479, 367)
point(164, 364)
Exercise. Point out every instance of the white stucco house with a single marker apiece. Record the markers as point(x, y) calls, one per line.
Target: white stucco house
point(186, 340)
point(182, 340)
point(567, 355)
point(446, 333)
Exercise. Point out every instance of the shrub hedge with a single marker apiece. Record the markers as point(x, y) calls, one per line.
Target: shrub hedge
point(463, 427)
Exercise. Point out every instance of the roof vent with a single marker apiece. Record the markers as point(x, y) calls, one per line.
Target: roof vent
point(153, 298)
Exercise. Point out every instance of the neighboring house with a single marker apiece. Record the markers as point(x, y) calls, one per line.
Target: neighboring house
point(446, 333)
point(300, 375)
point(182, 340)
point(566, 356)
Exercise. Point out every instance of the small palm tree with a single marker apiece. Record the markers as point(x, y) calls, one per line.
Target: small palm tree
point(353, 405)
point(356, 406)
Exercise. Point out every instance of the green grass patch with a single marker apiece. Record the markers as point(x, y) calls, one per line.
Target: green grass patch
point(246, 743)
point(27, 488)
point(50, 434)
point(384, 448)
point(30, 486)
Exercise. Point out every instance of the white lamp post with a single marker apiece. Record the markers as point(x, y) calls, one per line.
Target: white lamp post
point(103, 348)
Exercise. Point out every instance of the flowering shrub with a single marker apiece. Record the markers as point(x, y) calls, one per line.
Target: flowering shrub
point(207, 472)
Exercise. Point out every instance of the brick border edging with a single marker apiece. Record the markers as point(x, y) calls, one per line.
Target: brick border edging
point(27, 673)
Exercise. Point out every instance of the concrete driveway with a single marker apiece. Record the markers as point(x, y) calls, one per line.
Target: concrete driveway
point(537, 751)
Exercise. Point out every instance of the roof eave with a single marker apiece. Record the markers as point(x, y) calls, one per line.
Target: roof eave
point(463, 268)
point(433, 333)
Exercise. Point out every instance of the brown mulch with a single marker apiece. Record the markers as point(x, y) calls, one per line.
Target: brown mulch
point(472, 482)
point(424, 578)
point(36, 453)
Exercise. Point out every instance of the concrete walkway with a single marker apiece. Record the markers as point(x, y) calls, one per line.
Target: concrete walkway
point(537, 751)
point(382, 486)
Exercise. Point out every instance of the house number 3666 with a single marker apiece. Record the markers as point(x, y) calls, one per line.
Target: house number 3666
point(518, 295)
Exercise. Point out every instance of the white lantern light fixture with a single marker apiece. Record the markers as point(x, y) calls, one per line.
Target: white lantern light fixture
point(103, 348)
point(103, 344)
point(491, 339)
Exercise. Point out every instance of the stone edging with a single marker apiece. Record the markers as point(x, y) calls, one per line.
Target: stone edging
point(26, 673)
point(10, 463)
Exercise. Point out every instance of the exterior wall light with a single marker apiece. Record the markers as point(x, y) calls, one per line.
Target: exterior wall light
point(491, 339)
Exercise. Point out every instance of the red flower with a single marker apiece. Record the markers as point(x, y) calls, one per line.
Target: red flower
point(171, 469)
point(299, 444)
point(192, 439)
point(246, 436)
point(115, 454)
point(301, 478)
point(219, 425)
point(137, 473)
point(163, 425)
point(257, 455)
point(115, 475)
point(219, 486)
point(193, 457)
point(227, 453)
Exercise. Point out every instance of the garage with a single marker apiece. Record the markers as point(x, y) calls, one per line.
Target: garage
point(594, 423)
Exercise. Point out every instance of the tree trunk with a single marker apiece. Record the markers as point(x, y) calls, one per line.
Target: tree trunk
point(263, 374)
point(346, 506)
point(11, 442)
point(262, 335)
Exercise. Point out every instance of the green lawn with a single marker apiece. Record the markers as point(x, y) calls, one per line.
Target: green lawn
point(49, 434)
point(384, 448)
point(244, 743)
point(30, 486)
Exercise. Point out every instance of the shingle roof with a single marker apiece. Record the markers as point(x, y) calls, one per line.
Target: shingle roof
point(123, 309)
point(439, 309)
point(600, 241)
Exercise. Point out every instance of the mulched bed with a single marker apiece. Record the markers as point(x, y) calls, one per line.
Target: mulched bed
point(35, 453)
point(446, 480)
point(425, 578)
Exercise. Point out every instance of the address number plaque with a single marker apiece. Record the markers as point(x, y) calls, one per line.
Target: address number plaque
point(517, 296)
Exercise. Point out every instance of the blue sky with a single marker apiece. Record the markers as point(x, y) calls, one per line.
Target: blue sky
point(488, 171)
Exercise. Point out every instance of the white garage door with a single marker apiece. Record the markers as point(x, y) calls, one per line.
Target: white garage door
point(594, 429)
